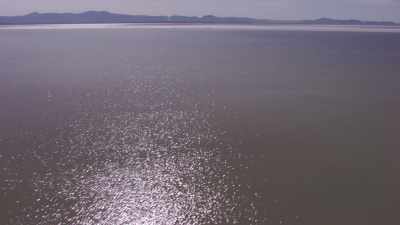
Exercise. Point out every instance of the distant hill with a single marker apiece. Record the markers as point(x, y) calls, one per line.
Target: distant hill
point(107, 17)
point(329, 21)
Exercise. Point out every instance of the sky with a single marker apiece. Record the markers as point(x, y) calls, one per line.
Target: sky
point(269, 9)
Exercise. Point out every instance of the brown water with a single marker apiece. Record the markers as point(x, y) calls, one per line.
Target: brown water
point(199, 126)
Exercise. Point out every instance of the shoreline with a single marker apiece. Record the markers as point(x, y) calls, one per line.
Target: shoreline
point(266, 27)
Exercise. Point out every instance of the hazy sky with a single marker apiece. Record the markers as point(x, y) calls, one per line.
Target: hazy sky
point(275, 9)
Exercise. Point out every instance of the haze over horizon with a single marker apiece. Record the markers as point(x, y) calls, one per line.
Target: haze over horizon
point(380, 10)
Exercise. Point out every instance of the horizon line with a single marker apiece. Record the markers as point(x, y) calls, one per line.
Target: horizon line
point(205, 15)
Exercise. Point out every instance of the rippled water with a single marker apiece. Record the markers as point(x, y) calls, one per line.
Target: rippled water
point(210, 125)
point(156, 165)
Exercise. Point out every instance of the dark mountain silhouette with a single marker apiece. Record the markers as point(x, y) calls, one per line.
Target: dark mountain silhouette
point(107, 17)
point(329, 21)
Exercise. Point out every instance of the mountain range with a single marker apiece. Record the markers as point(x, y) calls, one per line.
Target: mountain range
point(108, 17)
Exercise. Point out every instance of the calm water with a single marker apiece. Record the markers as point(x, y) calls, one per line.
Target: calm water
point(203, 126)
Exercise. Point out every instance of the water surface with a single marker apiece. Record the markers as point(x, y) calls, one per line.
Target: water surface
point(206, 125)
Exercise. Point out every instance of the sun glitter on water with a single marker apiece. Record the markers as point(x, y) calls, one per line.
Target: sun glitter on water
point(159, 165)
